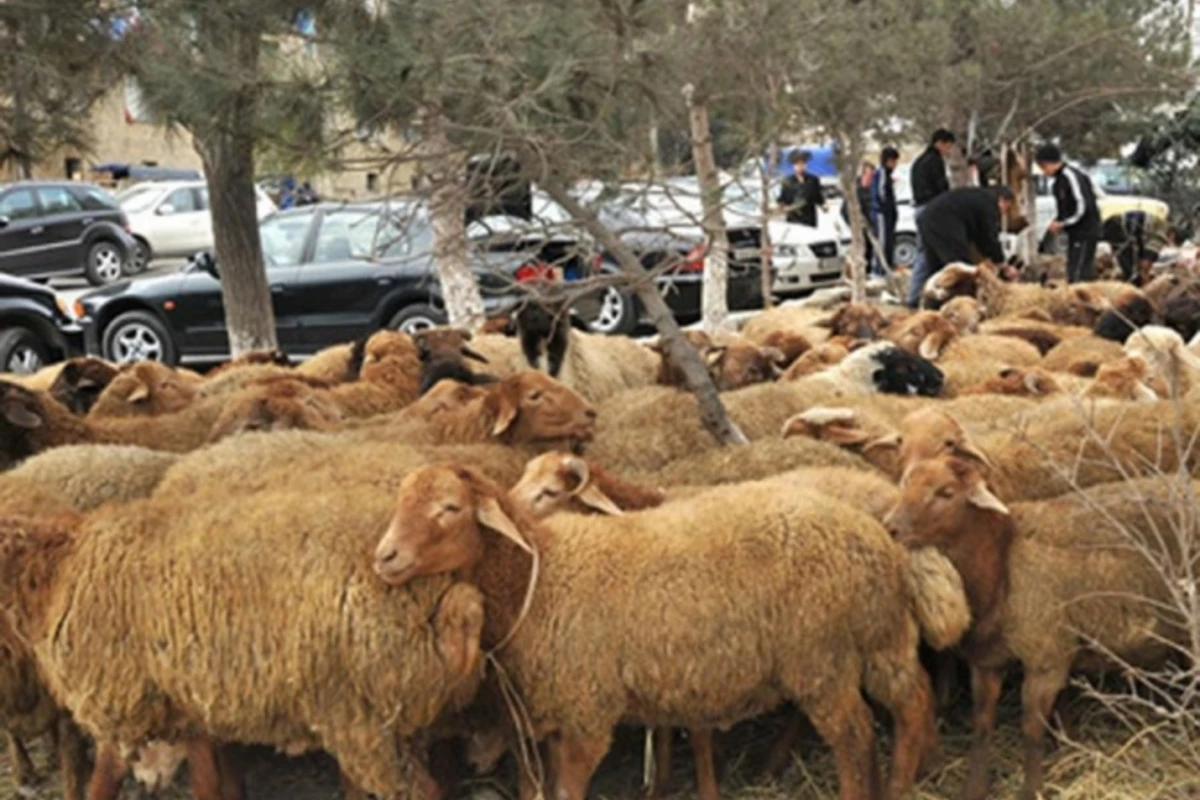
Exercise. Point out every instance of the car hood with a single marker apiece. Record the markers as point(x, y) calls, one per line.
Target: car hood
point(19, 287)
point(142, 287)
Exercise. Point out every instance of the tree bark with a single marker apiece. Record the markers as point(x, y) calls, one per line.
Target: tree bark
point(226, 148)
point(1028, 199)
point(447, 213)
point(714, 300)
point(848, 178)
point(765, 207)
point(708, 400)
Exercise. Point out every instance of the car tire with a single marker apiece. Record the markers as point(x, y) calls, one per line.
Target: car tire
point(417, 317)
point(22, 352)
point(105, 263)
point(616, 313)
point(138, 336)
point(906, 250)
point(139, 259)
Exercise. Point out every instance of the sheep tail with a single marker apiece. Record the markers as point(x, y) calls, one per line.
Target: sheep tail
point(939, 601)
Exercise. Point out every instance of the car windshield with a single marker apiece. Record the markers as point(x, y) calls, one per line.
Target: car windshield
point(283, 239)
point(138, 198)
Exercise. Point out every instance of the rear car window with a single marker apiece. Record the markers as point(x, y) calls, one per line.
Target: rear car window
point(93, 198)
point(58, 200)
point(19, 204)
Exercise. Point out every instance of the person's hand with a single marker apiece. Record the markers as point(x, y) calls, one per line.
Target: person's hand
point(1055, 227)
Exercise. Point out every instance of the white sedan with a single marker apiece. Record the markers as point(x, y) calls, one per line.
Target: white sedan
point(171, 219)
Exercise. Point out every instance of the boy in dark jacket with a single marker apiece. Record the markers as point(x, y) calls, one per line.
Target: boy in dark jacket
point(929, 181)
point(962, 219)
point(1078, 212)
point(801, 193)
point(883, 211)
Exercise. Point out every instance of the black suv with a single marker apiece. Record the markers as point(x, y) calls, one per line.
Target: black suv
point(35, 328)
point(62, 228)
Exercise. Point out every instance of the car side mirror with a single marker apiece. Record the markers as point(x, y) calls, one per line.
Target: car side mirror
point(166, 210)
point(4, 221)
point(207, 262)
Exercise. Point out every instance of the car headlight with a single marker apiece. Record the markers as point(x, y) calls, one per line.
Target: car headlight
point(787, 250)
point(66, 308)
point(80, 311)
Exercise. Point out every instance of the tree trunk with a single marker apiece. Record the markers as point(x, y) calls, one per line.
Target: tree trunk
point(1028, 199)
point(447, 212)
point(226, 148)
point(712, 412)
point(848, 179)
point(714, 301)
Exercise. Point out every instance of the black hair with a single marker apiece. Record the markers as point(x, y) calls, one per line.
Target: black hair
point(1004, 192)
point(943, 135)
point(1048, 154)
point(889, 153)
point(799, 157)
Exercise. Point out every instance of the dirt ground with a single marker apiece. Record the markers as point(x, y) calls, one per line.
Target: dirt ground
point(1102, 762)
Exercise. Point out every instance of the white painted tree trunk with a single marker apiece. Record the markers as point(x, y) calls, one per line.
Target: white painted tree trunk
point(1028, 199)
point(848, 178)
point(447, 211)
point(714, 302)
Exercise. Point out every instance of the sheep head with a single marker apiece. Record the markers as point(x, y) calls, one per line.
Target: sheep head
point(789, 343)
point(442, 512)
point(1130, 379)
point(445, 344)
point(963, 313)
point(941, 501)
point(552, 481)
point(449, 394)
point(1017, 382)
point(926, 333)
point(841, 426)
point(21, 418)
point(80, 383)
point(274, 406)
point(896, 371)
point(1083, 306)
point(147, 388)
point(530, 406)
point(931, 433)
point(819, 358)
point(859, 320)
point(740, 363)
point(384, 348)
point(954, 280)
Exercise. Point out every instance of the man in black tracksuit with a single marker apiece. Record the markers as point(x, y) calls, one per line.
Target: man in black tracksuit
point(801, 193)
point(961, 221)
point(1078, 213)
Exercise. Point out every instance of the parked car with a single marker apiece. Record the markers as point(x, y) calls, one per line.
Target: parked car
point(36, 327)
point(337, 272)
point(171, 219)
point(660, 224)
point(50, 228)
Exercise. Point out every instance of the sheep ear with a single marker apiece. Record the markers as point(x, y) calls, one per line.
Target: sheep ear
point(469, 353)
point(142, 392)
point(889, 442)
point(578, 473)
point(590, 495)
point(19, 414)
point(507, 412)
point(773, 354)
point(490, 515)
point(1033, 382)
point(713, 356)
point(967, 449)
point(931, 347)
point(845, 434)
point(981, 496)
point(1144, 394)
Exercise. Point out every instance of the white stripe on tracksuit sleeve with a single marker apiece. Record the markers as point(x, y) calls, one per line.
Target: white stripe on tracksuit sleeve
point(1080, 205)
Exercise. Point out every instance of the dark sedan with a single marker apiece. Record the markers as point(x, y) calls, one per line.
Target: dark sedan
point(35, 327)
point(336, 272)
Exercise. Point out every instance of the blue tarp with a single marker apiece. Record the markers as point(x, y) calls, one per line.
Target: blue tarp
point(823, 161)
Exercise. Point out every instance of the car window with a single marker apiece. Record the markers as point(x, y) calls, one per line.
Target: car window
point(283, 239)
point(93, 198)
point(181, 200)
point(19, 204)
point(362, 235)
point(202, 197)
point(138, 198)
point(58, 200)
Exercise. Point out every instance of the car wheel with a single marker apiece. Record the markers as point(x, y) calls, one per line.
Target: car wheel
point(138, 336)
point(416, 318)
point(906, 250)
point(616, 313)
point(105, 263)
point(22, 352)
point(140, 260)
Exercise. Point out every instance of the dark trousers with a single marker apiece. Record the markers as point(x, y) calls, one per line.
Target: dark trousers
point(1081, 258)
point(885, 229)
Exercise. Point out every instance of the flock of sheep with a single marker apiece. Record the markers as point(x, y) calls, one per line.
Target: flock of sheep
point(419, 539)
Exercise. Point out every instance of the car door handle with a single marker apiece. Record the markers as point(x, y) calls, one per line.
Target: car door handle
point(34, 231)
point(87, 221)
point(278, 288)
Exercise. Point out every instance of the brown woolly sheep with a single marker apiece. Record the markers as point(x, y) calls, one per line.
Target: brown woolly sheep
point(1047, 590)
point(80, 383)
point(177, 651)
point(331, 365)
point(1167, 356)
point(792, 345)
point(1078, 304)
point(963, 313)
point(621, 660)
point(818, 358)
point(1079, 350)
point(733, 362)
point(800, 320)
point(82, 477)
point(389, 380)
point(1131, 380)
point(282, 404)
point(145, 389)
point(235, 380)
point(443, 353)
point(276, 358)
point(1018, 382)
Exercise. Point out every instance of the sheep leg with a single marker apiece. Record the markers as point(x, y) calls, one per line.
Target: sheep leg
point(231, 778)
point(781, 752)
point(18, 756)
point(706, 772)
point(204, 769)
point(109, 773)
point(916, 734)
point(663, 739)
point(72, 757)
point(1038, 692)
point(985, 694)
point(946, 678)
point(843, 720)
point(575, 758)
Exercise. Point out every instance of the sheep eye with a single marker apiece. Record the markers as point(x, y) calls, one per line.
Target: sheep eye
point(451, 509)
point(945, 493)
point(535, 396)
point(548, 494)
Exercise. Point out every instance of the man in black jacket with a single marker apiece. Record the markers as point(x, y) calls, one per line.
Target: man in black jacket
point(929, 181)
point(1078, 213)
point(883, 212)
point(801, 193)
point(960, 222)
